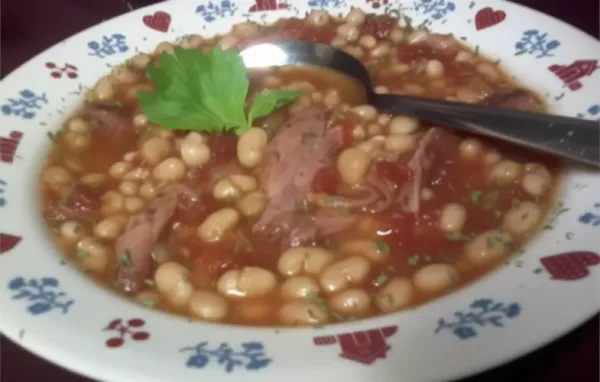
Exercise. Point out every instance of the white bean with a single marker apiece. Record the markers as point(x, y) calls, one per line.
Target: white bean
point(489, 71)
point(225, 190)
point(247, 282)
point(56, 176)
point(140, 120)
point(348, 32)
point(352, 165)
point(119, 169)
point(195, 154)
point(129, 188)
point(417, 36)
point(154, 150)
point(523, 219)
point(367, 41)
point(134, 204)
point(331, 98)
point(396, 294)
point(381, 50)
point(164, 46)
point(535, 184)
point(208, 305)
point(350, 271)
point(434, 69)
point(228, 42)
point(253, 203)
point(381, 89)
point(506, 171)
point(298, 287)
point(365, 112)
point(308, 260)
point(488, 247)
point(403, 125)
point(170, 170)
point(172, 280)
point(218, 224)
point(123, 75)
point(318, 17)
point(356, 16)
point(397, 35)
point(78, 125)
point(435, 278)
point(93, 254)
point(377, 251)
point(251, 147)
point(470, 148)
point(108, 229)
point(71, 230)
point(302, 313)
point(400, 143)
point(112, 202)
point(353, 302)
point(148, 191)
point(246, 30)
point(103, 91)
point(452, 217)
point(140, 61)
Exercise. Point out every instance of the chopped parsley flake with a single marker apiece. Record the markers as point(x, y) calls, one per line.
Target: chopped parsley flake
point(82, 254)
point(382, 247)
point(149, 302)
point(414, 260)
point(457, 236)
point(149, 282)
point(475, 195)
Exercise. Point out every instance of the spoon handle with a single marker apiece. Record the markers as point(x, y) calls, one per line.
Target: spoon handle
point(572, 138)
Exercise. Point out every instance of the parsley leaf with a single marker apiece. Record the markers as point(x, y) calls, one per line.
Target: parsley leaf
point(202, 91)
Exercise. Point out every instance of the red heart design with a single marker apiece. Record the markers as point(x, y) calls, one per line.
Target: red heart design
point(487, 17)
point(570, 265)
point(159, 21)
point(8, 242)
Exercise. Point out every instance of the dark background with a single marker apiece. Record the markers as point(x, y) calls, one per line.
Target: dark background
point(30, 26)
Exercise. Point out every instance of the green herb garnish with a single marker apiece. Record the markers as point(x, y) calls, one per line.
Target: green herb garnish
point(82, 254)
point(125, 259)
point(206, 92)
point(475, 196)
point(457, 236)
point(382, 247)
point(414, 260)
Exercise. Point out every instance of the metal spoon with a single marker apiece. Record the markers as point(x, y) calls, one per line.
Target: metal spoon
point(571, 138)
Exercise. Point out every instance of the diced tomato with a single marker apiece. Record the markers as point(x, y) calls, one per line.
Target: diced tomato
point(379, 26)
point(347, 124)
point(82, 198)
point(223, 148)
point(297, 29)
point(216, 259)
point(326, 180)
point(392, 172)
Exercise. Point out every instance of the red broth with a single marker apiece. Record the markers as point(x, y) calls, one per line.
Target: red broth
point(347, 214)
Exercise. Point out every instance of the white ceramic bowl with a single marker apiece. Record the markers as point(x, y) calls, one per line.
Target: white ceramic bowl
point(56, 312)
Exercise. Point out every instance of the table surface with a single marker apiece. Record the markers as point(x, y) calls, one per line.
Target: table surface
point(30, 26)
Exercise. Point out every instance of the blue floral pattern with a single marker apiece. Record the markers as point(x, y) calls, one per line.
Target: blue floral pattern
point(436, 9)
point(483, 312)
point(534, 42)
point(26, 105)
point(326, 3)
point(251, 357)
point(216, 9)
point(2, 200)
point(108, 45)
point(42, 294)
point(591, 218)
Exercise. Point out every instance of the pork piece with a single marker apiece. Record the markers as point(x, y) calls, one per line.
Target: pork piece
point(135, 245)
point(301, 147)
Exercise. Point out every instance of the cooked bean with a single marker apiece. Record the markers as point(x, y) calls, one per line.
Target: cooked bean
point(381, 50)
point(253, 203)
point(300, 104)
point(272, 82)
point(194, 154)
point(417, 36)
point(489, 71)
point(381, 89)
point(119, 169)
point(399, 68)
point(193, 41)
point(365, 112)
point(247, 282)
point(348, 32)
point(338, 42)
point(434, 69)
point(112, 202)
point(56, 176)
point(245, 30)
point(302, 313)
point(129, 188)
point(452, 217)
point(350, 271)
point(301, 85)
point(148, 298)
point(356, 16)
point(427, 194)
point(140, 61)
point(134, 204)
point(506, 171)
point(71, 230)
point(318, 17)
point(316, 97)
point(122, 75)
point(331, 98)
point(523, 219)
point(400, 143)
point(435, 278)
point(403, 125)
point(376, 251)
point(470, 148)
point(353, 302)
point(298, 287)
point(140, 120)
point(77, 141)
point(396, 294)
point(373, 129)
point(251, 147)
point(488, 247)
point(396, 35)
point(492, 157)
point(467, 95)
point(228, 42)
point(172, 280)
point(103, 91)
point(352, 165)
point(164, 46)
point(170, 170)
point(93, 180)
point(78, 125)
point(148, 191)
point(464, 56)
point(367, 41)
point(155, 150)
point(225, 190)
point(208, 305)
point(535, 184)
point(217, 224)
point(413, 89)
point(137, 174)
point(108, 229)
point(309, 260)
point(93, 255)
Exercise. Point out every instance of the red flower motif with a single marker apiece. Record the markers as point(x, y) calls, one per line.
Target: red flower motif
point(57, 72)
point(124, 331)
point(362, 346)
point(267, 5)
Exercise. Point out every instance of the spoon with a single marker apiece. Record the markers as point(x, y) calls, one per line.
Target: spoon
point(571, 138)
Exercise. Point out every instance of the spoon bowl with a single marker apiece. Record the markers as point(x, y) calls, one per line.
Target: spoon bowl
point(571, 138)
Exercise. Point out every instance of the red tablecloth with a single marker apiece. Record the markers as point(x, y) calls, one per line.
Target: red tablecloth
point(30, 26)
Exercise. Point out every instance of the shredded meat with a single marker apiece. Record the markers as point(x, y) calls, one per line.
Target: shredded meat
point(420, 162)
point(135, 245)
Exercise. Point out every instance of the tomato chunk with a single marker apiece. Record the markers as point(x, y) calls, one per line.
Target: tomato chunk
point(326, 180)
point(347, 124)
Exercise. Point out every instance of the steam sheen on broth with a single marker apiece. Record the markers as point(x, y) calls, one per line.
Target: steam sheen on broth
point(325, 210)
